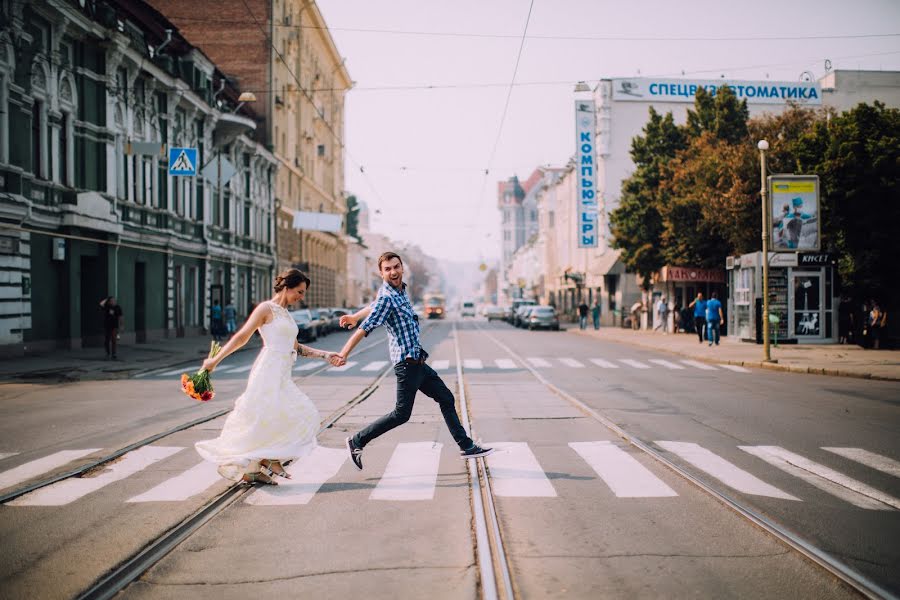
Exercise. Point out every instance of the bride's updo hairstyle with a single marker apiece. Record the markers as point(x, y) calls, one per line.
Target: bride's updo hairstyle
point(290, 279)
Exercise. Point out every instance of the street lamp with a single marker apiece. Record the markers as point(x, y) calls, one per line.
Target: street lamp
point(763, 145)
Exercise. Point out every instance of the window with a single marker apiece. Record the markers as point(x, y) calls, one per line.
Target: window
point(247, 175)
point(64, 149)
point(552, 224)
point(36, 148)
point(320, 150)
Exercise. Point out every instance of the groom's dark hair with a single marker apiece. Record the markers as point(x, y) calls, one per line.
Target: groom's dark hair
point(388, 256)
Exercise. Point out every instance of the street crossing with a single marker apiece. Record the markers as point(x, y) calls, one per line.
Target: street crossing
point(516, 470)
point(502, 364)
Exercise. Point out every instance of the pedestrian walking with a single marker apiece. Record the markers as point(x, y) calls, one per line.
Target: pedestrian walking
point(230, 314)
point(714, 318)
point(662, 315)
point(845, 320)
point(877, 324)
point(582, 315)
point(699, 306)
point(636, 315)
point(113, 321)
point(393, 309)
point(595, 314)
point(216, 324)
point(273, 421)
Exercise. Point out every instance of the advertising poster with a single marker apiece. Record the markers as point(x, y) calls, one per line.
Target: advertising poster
point(794, 210)
point(588, 202)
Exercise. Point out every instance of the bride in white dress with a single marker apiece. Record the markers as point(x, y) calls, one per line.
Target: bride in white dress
point(272, 421)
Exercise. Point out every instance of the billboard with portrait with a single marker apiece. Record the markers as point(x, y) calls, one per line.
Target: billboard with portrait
point(794, 213)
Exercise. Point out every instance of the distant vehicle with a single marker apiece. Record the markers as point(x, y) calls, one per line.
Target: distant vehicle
point(336, 313)
point(542, 317)
point(306, 329)
point(492, 312)
point(516, 305)
point(320, 319)
point(521, 315)
point(435, 306)
point(467, 309)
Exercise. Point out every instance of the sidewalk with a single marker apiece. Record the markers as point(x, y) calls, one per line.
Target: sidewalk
point(90, 364)
point(830, 359)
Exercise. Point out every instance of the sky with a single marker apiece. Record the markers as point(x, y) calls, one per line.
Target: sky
point(432, 122)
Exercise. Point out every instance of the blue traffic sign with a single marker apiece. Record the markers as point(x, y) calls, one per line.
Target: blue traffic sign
point(183, 161)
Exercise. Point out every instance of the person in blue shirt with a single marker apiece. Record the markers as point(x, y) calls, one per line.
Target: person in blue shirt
point(699, 306)
point(393, 309)
point(714, 318)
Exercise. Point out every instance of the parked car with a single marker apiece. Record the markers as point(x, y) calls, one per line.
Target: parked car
point(336, 314)
point(492, 312)
point(306, 329)
point(321, 320)
point(467, 309)
point(516, 305)
point(521, 315)
point(542, 317)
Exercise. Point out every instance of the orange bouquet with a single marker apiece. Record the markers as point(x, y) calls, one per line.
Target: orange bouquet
point(199, 386)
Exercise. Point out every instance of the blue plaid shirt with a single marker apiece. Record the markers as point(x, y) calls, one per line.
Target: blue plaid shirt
point(393, 310)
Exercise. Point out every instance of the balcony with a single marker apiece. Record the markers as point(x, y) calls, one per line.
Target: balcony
point(230, 126)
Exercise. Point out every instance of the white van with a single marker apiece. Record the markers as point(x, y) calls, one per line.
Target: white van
point(467, 309)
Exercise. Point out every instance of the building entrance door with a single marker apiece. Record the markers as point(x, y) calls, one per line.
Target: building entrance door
point(808, 318)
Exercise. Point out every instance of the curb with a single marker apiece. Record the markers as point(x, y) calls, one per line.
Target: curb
point(755, 364)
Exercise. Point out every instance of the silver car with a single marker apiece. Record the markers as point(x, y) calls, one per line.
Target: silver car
point(542, 317)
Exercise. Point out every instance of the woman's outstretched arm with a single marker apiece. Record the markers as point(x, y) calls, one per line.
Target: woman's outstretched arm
point(261, 314)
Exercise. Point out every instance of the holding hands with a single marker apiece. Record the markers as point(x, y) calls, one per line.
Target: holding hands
point(336, 359)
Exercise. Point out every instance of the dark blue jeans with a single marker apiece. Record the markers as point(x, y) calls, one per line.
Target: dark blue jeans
point(412, 378)
point(712, 330)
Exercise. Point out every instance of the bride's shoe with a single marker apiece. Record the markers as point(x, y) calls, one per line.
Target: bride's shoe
point(260, 477)
point(274, 467)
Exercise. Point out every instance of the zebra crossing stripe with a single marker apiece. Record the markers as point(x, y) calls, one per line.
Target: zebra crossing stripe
point(308, 474)
point(827, 480)
point(69, 490)
point(440, 365)
point(625, 476)
point(538, 362)
point(375, 365)
point(729, 474)
point(411, 474)
point(665, 363)
point(7, 454)
point(735, 368)
point(306, 366)
point(342, 368)
point(698, 365)
point(515, 472)
point(173, 372)
point(506, 363)
point(604, 363)
point(571, 362)
point(472, 363)
point(240, 369)
point(181, 487)
point(634, 363)
point(40, 466)
point(870, 459)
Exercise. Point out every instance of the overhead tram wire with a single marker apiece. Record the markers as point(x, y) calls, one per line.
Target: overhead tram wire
point(312, 103)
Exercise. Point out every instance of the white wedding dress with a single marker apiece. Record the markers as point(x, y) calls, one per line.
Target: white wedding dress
point(272, 419)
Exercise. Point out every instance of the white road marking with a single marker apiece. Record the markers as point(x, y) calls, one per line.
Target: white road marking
point(634, 363)
point(870, 459)
point(538, 362)
point(506, 363)
point(735, 368)
point(625, 476)
point(7, 454)
point(376, 365)
point(571, 362)
point(308, 474)
point(827, 480)
point(181, 487)
point(307, 365)
point(69, 490)
point(604, 363)
point(41, 466)
point(350, 364)
point(187, 370)
point(411, 473)
point(472, 363)
point(729, 474)
point(440, 365)
point(699, 365)
point(515, 471)
point(240, 369)
point(665, 363)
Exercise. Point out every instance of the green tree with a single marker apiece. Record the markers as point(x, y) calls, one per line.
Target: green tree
point(722, 115)
point(636, 224)
point(857, 157)
point(351, 222)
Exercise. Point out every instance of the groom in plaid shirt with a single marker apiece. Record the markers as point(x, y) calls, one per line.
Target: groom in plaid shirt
point(393, 309)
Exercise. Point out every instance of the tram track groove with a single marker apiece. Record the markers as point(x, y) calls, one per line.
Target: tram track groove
point(841, 571)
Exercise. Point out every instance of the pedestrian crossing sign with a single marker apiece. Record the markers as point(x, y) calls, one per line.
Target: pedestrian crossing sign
point(183, 161)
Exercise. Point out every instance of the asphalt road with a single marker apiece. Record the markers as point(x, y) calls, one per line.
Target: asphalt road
point(582, 513)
